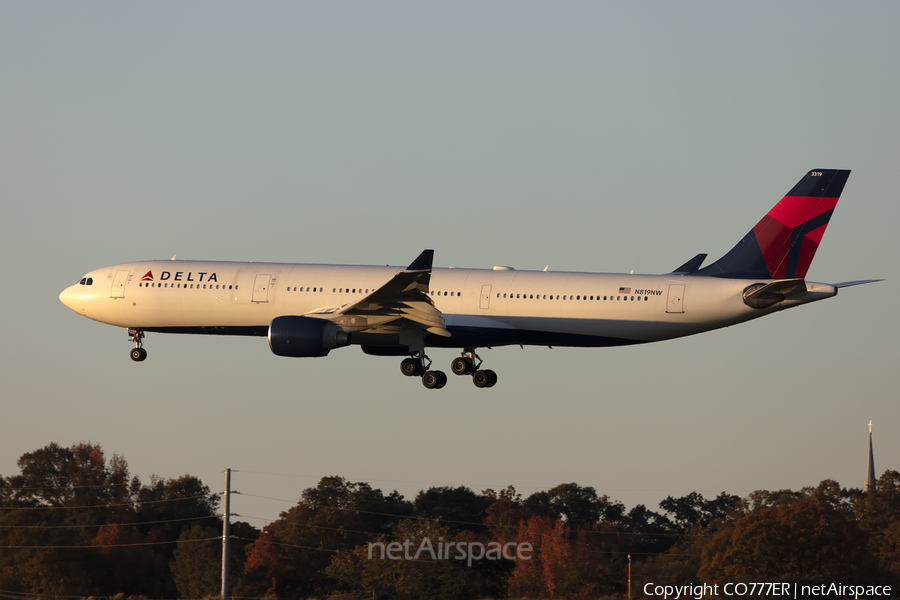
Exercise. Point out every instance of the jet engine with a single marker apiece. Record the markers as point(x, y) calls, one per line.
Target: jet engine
point(305, 337)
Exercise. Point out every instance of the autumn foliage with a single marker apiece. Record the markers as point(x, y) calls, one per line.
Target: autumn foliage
point(74, 523)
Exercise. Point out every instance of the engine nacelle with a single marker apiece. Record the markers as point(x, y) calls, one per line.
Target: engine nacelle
point(305, 336)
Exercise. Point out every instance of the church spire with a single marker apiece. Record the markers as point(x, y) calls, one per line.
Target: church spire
point(870, 465)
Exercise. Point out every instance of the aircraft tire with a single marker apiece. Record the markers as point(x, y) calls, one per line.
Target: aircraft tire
point(481, 379)
point(410, 367)
point(461, 366)
point(138, 354)
point(442, 379)
point(492, 378)
point(431, 379)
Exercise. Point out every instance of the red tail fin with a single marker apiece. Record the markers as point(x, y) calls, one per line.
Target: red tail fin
point(784, 242)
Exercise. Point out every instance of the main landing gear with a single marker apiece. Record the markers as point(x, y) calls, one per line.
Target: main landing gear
point(138, 353)
point(433, 380)
point(468, 364)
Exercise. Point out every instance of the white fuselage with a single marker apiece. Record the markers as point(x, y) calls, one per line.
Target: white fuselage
point(480, 307)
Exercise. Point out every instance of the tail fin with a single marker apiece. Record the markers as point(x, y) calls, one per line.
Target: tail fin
point(783, 243)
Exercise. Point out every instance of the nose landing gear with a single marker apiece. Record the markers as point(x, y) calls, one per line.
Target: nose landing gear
point(137, 353)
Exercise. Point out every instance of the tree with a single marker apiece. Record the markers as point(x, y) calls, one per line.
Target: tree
point(420, 576)
point(197, 562)
point(878, 513)
point(60, 500)
point(694, 510)
point(802, 541)
point(336, 515)
point(460, 508)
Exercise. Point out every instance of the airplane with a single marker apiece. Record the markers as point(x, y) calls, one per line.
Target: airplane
point(307, 310)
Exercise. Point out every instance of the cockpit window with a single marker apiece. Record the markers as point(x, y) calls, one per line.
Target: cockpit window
point(86, 281)
point(90, 281)
point(83, 281)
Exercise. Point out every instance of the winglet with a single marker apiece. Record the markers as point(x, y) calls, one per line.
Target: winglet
point(423, 261)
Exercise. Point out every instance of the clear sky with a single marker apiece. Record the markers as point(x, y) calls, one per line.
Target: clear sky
point(583, 136)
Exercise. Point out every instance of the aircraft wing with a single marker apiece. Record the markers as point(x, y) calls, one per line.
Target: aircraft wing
point(403, 298)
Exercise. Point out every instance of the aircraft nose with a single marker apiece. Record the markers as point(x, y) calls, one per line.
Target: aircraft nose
point(67, 297)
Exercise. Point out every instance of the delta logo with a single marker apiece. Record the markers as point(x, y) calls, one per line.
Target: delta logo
point(148, 276)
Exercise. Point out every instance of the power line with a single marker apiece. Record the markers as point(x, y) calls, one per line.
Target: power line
point(63, 487)
point(133, 504)
point(107, 524)
point(110, 545)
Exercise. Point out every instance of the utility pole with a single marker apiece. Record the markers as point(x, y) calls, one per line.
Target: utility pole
point(629, 576)
point(226, 533)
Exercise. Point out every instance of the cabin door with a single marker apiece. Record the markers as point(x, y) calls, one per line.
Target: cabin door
point(485, 296)
point(118, 284)
point(676, 298)
point(261, 288)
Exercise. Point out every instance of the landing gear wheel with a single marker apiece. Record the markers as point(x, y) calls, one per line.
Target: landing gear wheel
point(410, 367)
point(481, 379)
point(434, 380)
point(492, 378)
point(461, 366)
point(138, 354)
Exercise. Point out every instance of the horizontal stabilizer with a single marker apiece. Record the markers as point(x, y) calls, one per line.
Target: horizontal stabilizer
point(691, 265)
point(859, 282)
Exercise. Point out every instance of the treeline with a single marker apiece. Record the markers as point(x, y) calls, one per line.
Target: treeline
point(74, 523)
